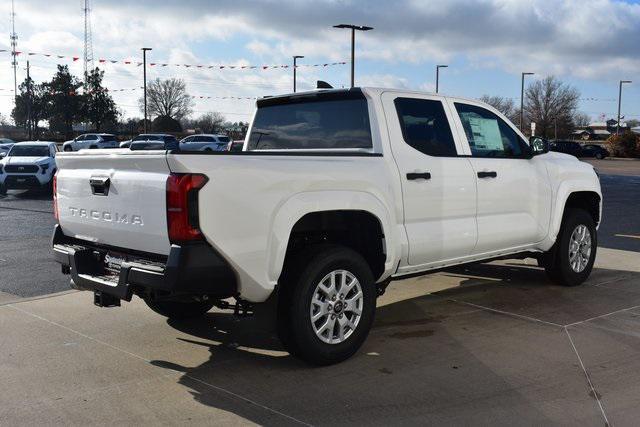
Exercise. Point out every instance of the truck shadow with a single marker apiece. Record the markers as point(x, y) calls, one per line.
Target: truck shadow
point(434, 355)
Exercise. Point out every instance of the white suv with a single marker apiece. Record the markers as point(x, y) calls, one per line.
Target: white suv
point(28, 165)
point(205, 142)
point(91, 140)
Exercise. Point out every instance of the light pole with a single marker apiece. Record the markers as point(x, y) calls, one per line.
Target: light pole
point(522, 101)
point(620, 104)
point(438, 75)
point(144, 74)
point(353, 44)
point(295, 58)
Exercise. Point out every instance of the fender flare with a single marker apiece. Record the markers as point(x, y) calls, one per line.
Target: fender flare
point(301, 204)
point(565, 189)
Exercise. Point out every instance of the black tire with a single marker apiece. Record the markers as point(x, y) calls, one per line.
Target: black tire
point(599, 156)
point(179, 309)
point(3, 190)
point(301, 278)
point(67, 148)
point(557, 262)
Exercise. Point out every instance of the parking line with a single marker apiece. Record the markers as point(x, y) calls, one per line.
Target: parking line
point(506, 313)
point(220, 389)
point(630, 236)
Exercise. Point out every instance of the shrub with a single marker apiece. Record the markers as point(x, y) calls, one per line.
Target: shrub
point(624, 145)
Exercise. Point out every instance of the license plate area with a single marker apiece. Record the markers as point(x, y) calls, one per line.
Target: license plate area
point(112, 262)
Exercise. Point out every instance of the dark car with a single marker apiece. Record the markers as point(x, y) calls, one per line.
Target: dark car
point(567, 147)
point(154, 141)
point(592, 150)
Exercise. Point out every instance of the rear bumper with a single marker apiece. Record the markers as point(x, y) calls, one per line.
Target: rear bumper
point(194, 269)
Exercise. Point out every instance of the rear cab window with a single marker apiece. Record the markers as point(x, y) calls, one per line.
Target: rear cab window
point(425, 126)
point(319, 121)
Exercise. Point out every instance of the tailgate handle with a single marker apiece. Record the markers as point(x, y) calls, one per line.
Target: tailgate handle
point(100, 185)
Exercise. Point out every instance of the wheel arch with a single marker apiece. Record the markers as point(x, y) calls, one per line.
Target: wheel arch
point(589, 199)
point(321, 215)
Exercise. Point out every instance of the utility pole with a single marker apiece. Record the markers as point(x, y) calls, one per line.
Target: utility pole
point(353, 45)
point(522, 101)
point(620, 104)
point(14, 56)
point(144, 73)
point(29, 124)
point(295, 65)
point(438, 75)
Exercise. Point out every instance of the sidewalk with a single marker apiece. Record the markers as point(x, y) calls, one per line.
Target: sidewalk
point(501, 347)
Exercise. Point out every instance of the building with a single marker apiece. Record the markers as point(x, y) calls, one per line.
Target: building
point(598, 130)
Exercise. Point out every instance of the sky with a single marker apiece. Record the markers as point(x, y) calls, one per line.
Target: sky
point(590, 44)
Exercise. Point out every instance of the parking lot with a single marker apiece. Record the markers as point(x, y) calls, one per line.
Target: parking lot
point(487, 344)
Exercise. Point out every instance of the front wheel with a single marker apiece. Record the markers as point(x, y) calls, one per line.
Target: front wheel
point(68, 148)
point(327, 305)
point(571, 259)
point(599, 156)
point(179, 309)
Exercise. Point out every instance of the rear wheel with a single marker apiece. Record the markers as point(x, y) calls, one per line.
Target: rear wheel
point(327, 305)
point(571, 259)
point(599, 156)
point(179, 309)
point(67, 148)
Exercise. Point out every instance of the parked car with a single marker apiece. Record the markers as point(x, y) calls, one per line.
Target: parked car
point(235, 145)
point(568, 147)
point(205, 142)
point(154, 141)
point(592, 150)
point(5, 145)
point(337, 193)
point(91, 140)
point(28, 165)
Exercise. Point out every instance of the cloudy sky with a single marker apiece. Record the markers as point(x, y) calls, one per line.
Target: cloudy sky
point(591, 44)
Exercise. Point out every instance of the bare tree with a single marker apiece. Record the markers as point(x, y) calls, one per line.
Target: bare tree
point(167, 98)
point(212, 122)
point(505, 105)
point(581, 119)
point(552, 105)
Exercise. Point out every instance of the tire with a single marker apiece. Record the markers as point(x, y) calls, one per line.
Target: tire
point(558, 263)
point(315, 342)
point(599, 156)
point(3, 190)
point(68, 148)
point(179, 309)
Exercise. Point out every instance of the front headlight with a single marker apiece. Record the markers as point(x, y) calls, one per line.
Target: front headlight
point(45, 167)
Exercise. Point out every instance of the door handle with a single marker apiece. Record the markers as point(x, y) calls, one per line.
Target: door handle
point(418, 175)
point(491, 174)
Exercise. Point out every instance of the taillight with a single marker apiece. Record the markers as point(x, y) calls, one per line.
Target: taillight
point(182, 206)
point(56, 215)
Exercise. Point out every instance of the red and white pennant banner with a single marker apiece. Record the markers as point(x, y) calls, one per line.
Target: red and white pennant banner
point(159, 64)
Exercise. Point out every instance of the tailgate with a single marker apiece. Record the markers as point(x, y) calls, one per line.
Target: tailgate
point(115, 197)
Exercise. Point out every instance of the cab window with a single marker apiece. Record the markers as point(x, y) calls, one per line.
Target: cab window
point(488, 135)
point(425, 126)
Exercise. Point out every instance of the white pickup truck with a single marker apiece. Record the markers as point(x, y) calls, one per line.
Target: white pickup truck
point(335, 194)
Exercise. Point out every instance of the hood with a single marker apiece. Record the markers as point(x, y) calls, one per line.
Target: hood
point(17, 160)
point(554, 155)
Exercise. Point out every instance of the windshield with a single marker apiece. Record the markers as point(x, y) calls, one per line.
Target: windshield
point(148, 138)
point(29, 151)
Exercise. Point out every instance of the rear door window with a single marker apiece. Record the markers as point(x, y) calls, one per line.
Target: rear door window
point(425, 126)
point(318, 124)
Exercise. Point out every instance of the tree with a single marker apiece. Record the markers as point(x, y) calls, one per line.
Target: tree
point(98, 107)
point(167, 98)
point(3, 120)
point(165, 124)
point(32, 100)
point(505, 105)
point(212, 122)
point(551, 104)
point(64, 101)
point(581, 119)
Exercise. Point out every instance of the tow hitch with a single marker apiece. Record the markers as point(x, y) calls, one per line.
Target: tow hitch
point(105, 300)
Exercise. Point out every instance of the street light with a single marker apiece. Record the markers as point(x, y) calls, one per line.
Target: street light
point(619, 104)
point(438, 75)
point(522, 101)
point(353, 44)
point(295, 57)
point(144, 73)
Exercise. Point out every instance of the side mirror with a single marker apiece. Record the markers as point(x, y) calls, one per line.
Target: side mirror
point(538, 145)
point(3, 155)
